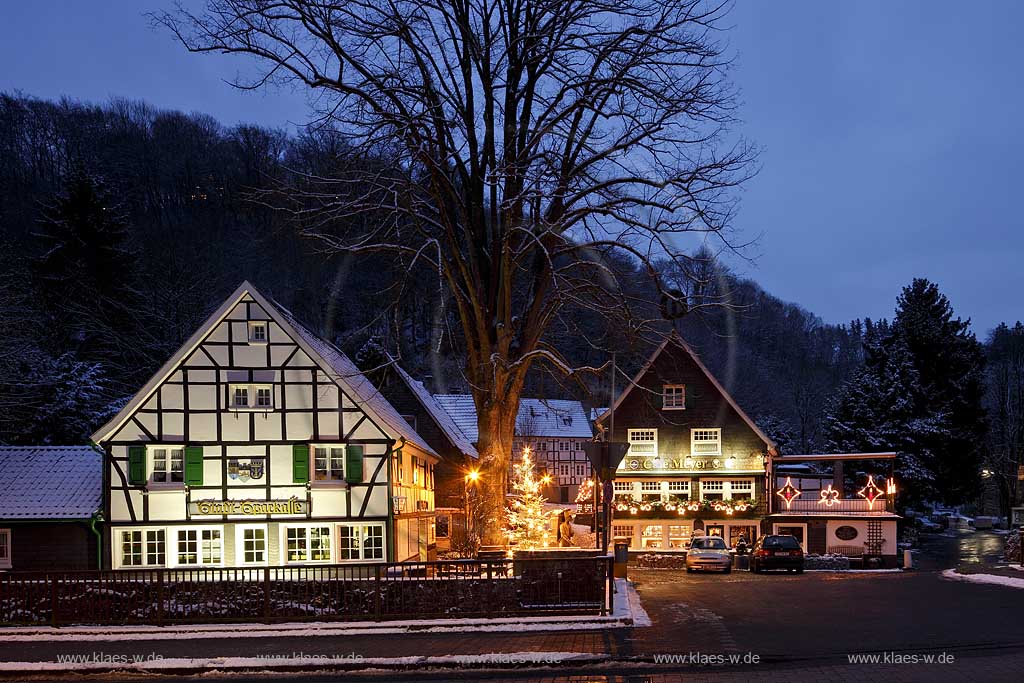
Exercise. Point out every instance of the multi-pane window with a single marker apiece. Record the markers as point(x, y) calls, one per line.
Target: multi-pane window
point(329, 463)
point(5, 548)
point(679, 535)
point(680, 486)
point(258, 332)
point(706, 441)
point(256, 396)
point(673, 397)
point(742, 488)
point(199, 547)
point(156, 550)
point(652, 536)
point(309, 544)
point(643, 442)
point(712, 489)
point(581, 470)
point(361, 542)
point(650, 490)
point(131, 548)
point(167, 465)
point(239, 396)
point(623, 489)
point(254, 545)
point(623, 531)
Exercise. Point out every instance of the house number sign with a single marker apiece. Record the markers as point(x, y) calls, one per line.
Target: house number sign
point(292, 506)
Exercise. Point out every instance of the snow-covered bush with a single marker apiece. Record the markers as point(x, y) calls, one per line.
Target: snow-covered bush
point(828, 562)
point(1012, 552)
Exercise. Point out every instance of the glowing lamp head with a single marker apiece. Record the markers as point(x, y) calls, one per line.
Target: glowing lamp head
point(473, 475)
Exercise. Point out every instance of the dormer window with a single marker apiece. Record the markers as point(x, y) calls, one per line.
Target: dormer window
point(673, 397)
point(258, 332)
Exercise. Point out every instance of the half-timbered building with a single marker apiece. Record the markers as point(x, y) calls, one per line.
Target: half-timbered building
point(259, 443)
point(697, 464)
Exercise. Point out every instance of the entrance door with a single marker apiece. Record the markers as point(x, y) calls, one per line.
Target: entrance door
point(424, 537)
point(714, 530)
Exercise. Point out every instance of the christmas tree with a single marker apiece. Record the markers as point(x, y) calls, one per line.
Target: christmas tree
point(527, 522)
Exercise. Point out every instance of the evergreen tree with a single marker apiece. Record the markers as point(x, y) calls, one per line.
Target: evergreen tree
point(919, 394)
point(528, 524)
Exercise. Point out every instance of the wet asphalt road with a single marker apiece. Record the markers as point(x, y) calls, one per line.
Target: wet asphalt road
point(801, 627)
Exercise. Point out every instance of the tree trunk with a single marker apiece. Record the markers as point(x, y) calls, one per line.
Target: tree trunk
point(494, 444)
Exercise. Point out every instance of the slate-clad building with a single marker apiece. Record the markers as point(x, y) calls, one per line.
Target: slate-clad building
point(554, 430)
point(50, 498)
point(256, 444)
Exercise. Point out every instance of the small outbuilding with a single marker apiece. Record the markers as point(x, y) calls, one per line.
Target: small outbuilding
point(50, 498)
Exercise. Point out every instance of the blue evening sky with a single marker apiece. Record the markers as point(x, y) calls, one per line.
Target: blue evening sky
point(891, 132)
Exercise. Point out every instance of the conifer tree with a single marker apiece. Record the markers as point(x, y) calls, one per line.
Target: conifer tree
point(527, 522)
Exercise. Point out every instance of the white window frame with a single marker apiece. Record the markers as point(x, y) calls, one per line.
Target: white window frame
point(251, 396)
point(5, 544)
point(168, 471)
point(742, 492)
point(145, 531)
point(673, 397)
point(679, 486)
point(617, 530)
point(240, 530)
point(361, 529)
point(172, 550)
point(330, 480)
point(645, 537)
point(715, 486)
point(307, 528)
point(257, 324)
point(643, 437)
point(698, 436)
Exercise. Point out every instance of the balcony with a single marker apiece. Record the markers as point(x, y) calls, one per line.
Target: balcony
point(844, 505)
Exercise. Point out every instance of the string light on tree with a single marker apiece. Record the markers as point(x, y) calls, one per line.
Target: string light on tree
point(527, 521)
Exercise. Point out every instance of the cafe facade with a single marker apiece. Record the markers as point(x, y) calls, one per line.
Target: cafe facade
point(696, 465)
point(260, 444)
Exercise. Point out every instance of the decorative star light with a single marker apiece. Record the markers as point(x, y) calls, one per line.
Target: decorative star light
point(789, 493)
point(829, 496)
point(871, 492)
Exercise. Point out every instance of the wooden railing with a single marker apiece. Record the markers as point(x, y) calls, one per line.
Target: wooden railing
point(357, 592)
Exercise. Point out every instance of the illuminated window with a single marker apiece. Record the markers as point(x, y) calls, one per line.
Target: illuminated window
point(308, 544)
point(328, 463)
point(652, 536)
point(706, 441)
point(623, 531)
point(679, 486)
point(361, 542)
point(673, 397)
point(5, 548)
point(679, 535)
point(199, 547)
point(643, 442)
point(167, 465)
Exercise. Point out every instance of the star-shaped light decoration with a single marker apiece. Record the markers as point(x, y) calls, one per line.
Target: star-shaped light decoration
point(789, 493)
point(871, 492)
point(829, 496)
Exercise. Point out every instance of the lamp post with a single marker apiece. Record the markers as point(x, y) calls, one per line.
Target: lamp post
point(471, 477)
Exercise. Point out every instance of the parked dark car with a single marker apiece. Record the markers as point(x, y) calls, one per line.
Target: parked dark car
point(777, 552)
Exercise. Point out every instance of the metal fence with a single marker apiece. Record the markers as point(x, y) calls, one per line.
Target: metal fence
point(352, 592)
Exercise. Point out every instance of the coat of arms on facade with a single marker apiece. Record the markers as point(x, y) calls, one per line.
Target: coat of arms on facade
point(244, 470)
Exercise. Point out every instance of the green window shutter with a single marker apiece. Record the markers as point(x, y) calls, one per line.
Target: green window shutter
point(137, 465)
point(194, 465)
point(353, 463)
point(300, 463)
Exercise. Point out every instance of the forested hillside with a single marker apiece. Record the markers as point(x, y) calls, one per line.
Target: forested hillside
point(124, 226)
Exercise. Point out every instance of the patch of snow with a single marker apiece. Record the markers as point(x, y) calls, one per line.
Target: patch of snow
point(992, 579)
point(896, 570)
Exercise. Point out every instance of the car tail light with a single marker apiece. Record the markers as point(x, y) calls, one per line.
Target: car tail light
point(762, 553)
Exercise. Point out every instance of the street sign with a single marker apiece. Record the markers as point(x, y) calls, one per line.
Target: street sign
point(605, 456)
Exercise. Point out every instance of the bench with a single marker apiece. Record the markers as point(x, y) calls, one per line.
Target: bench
point(850, 551)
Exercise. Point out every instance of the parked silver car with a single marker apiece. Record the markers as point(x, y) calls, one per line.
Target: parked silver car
point(708, 552)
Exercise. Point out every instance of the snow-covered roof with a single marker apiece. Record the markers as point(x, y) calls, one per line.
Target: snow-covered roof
point(362, 390)
point(537, 417)
point(50, 482)
point(441, 416)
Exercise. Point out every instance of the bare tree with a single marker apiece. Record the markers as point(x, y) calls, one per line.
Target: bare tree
point(528, 145)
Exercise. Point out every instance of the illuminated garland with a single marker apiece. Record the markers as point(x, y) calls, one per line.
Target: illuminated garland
point(683, 507)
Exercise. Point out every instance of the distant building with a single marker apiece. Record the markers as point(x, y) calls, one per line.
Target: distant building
point(50, 499)
point(555, 431)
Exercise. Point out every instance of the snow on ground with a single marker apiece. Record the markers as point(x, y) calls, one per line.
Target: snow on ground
point(992, 579)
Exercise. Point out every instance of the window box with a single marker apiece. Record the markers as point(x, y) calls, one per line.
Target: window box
point(706, 441)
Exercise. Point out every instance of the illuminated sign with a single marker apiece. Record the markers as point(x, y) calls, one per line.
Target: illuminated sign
point(688, 464)
point(292, 506)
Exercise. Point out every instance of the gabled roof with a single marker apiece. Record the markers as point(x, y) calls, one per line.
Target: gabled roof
point(326, 355)
point(436, 411)
point(675, 339)
point(50, 482)
point(536, 417)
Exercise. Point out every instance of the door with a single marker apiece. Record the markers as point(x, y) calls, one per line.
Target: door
point(423, 534)
point(798, 530)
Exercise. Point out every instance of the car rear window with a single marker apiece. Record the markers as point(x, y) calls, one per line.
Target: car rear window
point(784, 542)
point(708, 544)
